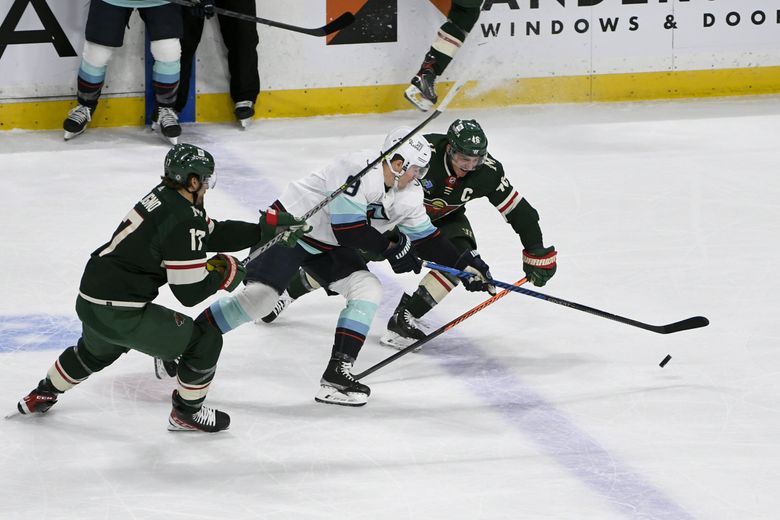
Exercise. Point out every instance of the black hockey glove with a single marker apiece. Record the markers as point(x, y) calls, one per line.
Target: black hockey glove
point(472, 263)
point(203, 8)
point(402, 257)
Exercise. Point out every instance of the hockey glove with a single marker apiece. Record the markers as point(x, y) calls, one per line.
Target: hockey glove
point(402, 257)
point(273, 222)
point(203, 8)
point(230, 268)
point(472, 263)
point(539, 264)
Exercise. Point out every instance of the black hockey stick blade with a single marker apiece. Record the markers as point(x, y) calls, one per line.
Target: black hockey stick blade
point(687, 324)
point(331, 27)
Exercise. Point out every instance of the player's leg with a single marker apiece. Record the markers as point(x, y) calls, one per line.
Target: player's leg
point(403, 328)
point(104, 32)
point(165, 27)
point(192, 31)
point(241, 40)
point(362, 292)
point(267, 277)
point(462, 17)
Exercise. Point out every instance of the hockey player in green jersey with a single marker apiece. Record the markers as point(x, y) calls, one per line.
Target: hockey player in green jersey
point(163, 239)
point(461, 170)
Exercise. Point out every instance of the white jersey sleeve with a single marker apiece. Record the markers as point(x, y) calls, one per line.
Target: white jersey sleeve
point(405, 209)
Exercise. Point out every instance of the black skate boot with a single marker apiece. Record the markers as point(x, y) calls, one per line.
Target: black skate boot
point(205, 420)
point(165, 121)
point(403, 329)
point(422, 91)
point(39, 400)
point(338, 386)
point(244, 111)
point(164, 368)
point(77, 121)
point(284, 300)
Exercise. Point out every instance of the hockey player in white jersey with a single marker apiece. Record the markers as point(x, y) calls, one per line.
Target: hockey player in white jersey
point(345, 231)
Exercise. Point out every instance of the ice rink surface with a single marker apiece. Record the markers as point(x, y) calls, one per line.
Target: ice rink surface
point(528, 410)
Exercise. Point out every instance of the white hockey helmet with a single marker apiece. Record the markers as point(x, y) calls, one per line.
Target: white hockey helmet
point(415, 151)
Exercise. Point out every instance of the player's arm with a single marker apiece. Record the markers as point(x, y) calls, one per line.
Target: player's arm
point(183, 253)
point(235, 235)
point(349, 222)
point(539, 262)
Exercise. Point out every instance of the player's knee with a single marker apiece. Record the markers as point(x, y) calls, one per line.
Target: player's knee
point(360, 285)
point(96, 55)
point(464, 14)
point(167, 50)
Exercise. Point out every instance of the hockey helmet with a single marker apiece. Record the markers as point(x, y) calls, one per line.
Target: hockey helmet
point(415, 151)
point(466, 137)
point(184, 160)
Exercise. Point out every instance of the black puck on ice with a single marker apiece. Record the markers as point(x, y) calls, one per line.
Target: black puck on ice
point(665, 361)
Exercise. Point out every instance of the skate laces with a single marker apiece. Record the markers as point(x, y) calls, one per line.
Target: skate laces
point(344, 369)
point(205, 416)
point(166, 116)
point(80, 114)
point(283, 301)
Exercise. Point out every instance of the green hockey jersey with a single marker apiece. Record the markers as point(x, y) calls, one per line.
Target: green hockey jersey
point(163, 239)
point(446, 194)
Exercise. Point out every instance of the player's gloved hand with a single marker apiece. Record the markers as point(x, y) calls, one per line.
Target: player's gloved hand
point(539, 264)
point(472, 263)
point(203, 8)
point(402, 257)
point(273, 222)
point(232, 270)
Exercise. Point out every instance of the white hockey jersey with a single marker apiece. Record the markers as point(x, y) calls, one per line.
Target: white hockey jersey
point(366, 200)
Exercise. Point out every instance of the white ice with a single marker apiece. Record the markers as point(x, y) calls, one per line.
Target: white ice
point(659, 211)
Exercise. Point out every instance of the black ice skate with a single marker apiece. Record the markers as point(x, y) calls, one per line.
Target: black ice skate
point(39, 400)
point(206, 419)
point(403, 329)
point(284, 300)
point(422, 91)
point(166, 122)
point(244, 111)
point(163, 368)
point(338, 386)
point(77, 121)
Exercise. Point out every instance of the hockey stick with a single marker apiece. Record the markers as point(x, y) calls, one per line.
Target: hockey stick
point(354, 178)
point(331, 27)
point(687, 324)
point(441, 330)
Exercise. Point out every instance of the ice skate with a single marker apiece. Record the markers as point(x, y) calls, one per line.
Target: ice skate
point(245, 112)
point(206, 419)
point(422, 91)
point(77, 121)
point(284, 300)
point(163, 368)
point(403, 329)
point(39, 400)
point(166, 123)
point(338, 386)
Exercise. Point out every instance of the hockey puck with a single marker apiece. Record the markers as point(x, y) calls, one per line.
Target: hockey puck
point(665, 361)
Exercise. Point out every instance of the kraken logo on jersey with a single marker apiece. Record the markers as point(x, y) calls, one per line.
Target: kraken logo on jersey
point(376, 211)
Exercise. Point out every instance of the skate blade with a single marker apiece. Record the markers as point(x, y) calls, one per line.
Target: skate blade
point(393, 340)
point(330, 395)
point(70, 135)
point(245, 123)
point(415, 97)
point(173, 141)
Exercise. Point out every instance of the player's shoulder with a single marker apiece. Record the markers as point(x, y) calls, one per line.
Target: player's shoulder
point(411, 197)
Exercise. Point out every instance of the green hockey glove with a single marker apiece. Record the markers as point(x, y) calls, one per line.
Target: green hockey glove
point(232, 270)
point(539, 264)
point(273, 222)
